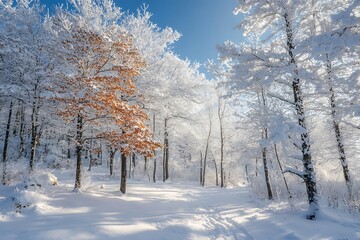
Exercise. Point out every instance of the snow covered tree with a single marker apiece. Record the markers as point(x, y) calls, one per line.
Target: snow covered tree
point(98, 92)
point(27, 66)
point(282, 19)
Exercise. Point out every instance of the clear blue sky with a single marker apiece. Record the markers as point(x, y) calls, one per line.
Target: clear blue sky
point(202, 23)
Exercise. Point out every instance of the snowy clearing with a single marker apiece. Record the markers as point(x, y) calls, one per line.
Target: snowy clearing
point(162, 211)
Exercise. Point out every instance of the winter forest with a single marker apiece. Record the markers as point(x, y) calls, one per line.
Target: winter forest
point(107, 133)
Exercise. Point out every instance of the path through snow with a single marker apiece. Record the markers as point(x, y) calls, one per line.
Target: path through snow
point(165, 211)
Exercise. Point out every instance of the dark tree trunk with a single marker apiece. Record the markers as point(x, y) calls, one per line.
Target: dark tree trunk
point(206, 150)
point(247, 173)
point(337, 131)
point(264, 136)
point(123, 174)
point(266, 171)
point(100, 154)
point(112, 152)
point(309, 173)
point(91, 157)
point(69, 148)
point(6, 142)
point(216, 174)
point(221, 110)
point(22, 131)
point(282, 171)
point(165, 153)
point(154, 128)
point(34, 137)
point(79, 147)
point(154, 172)
point(201, 168)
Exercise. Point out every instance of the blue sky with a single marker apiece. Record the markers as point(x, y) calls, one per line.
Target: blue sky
point(202, 23)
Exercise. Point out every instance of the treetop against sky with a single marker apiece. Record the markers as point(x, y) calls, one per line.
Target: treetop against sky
point(202, 23)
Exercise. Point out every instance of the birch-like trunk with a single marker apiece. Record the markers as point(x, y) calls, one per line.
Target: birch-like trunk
point(309, 172)
point(337, 131)
point(79, 147)
point(6, 142)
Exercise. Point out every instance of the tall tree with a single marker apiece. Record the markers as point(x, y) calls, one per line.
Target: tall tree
point(98, 92)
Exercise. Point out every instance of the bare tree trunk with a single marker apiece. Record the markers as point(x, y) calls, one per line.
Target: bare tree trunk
point(91, 159)
point(154, 171)
point(282, 171)
point(201, 168)
point(206, 150)
point(216, 173)
point(69, 148)
point(221, 110)
point(6, 142)
point(130, 166)
point(79, 147)
point(133, 165)
point(165, 153)
point(309, 173)
point(99, 154)
point(22, 130)
point(123, 174)
point(112, 152)
point(247, 173)
point(34, 132)
point(264, 136)
point(337, 131)
point(155, 158)
point(266, 171)
point(256, 167)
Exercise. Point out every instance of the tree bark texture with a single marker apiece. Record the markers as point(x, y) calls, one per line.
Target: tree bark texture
point(6, 142)
point(123, 174)
point(309, 172)
point(79, 147)
point(337, 131)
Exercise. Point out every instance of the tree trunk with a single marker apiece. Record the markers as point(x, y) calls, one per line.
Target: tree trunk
point(264, 136)
point(154, 128)
point(206, 150)
point(6, 142)
point(165, 153)
point(247, 173)
point(266, 171)
point(91, 157)
point(337, 131)
point(216, 174)
point(34, 133)
point(154, 172)
point(282, 171)
point(221, 110)
point(309, 173)
point(112, 153)
point(201, 169)
point(79, 147)
point(69, 148)
point(132, 162)
point(22, 131)
point(123, 174)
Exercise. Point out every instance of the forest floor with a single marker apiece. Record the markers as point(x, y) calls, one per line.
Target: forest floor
point(160, 211)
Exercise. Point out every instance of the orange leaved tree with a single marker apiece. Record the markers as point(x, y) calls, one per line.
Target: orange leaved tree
point(98, 94)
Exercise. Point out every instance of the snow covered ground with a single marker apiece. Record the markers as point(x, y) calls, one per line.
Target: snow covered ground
point(161, 211)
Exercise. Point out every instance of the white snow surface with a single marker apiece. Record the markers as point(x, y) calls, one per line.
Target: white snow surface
point(160, 211)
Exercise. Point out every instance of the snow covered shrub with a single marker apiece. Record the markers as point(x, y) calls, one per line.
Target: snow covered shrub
point(42, 178)
point(16, 172)
point(27, 198)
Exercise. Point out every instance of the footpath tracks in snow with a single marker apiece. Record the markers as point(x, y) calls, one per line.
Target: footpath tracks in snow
point(165, 211)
